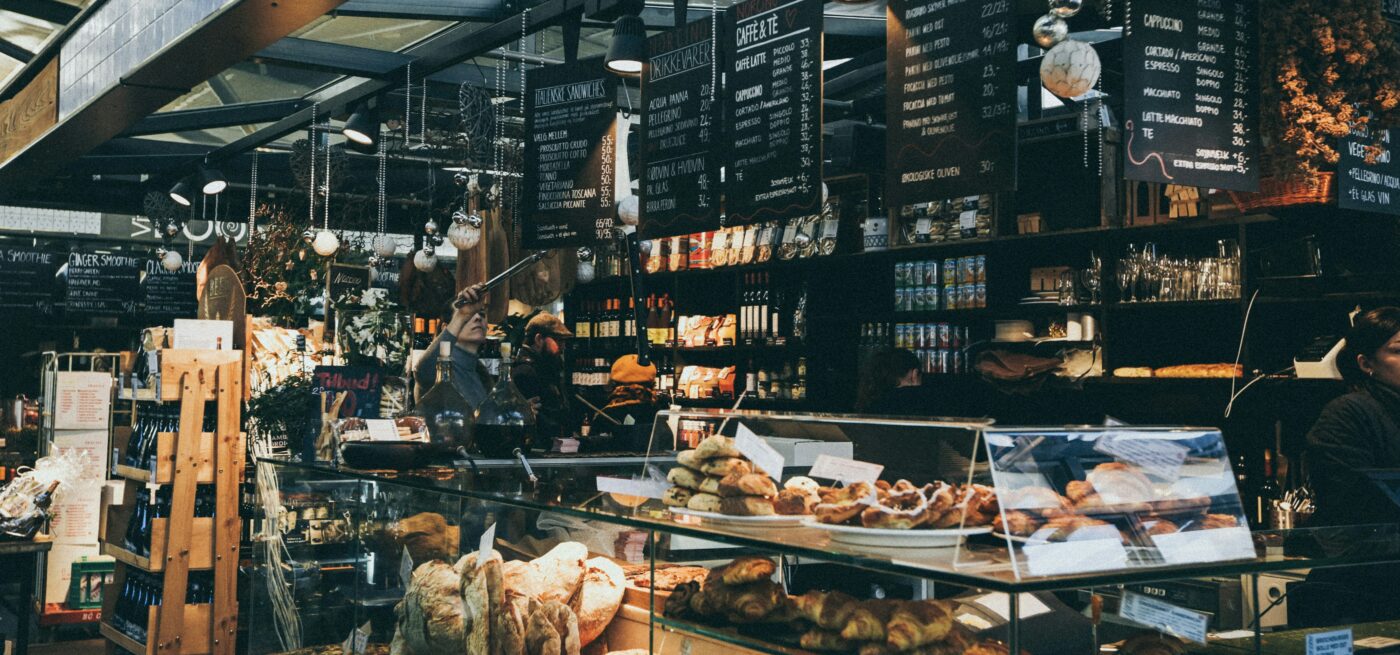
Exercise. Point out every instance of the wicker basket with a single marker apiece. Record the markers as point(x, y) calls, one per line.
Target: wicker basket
point(1273, 192)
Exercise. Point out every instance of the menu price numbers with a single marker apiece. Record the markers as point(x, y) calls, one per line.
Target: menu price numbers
point(991, 9)
point(996, 110)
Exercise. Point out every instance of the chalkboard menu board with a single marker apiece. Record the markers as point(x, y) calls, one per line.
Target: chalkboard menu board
point(570, 117)
point(102, 284)
point(1391, 9)
point(680, 119)
point(348, 279)
point(386, 276)
point(772, 54)
point(27, 279)
point(172, 293)
point(1373, 187)
point(951, 99)
point(1192, 93)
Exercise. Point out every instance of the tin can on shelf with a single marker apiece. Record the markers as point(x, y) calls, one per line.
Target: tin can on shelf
point(979, 268)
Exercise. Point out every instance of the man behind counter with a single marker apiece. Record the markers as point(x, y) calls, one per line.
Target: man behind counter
point(466, 330)
point(539, 374)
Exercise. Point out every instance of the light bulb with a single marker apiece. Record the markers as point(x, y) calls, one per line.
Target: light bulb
point(586, 272)
point(326, 243)
point(1070, 69)
point(172, 261)
point(385, 245)
point(424, 260)
point(463, 236)
point(629, 210)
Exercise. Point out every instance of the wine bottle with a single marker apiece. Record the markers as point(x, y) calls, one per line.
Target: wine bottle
point(443, 407)
point(505, 421)
point(1267, 492)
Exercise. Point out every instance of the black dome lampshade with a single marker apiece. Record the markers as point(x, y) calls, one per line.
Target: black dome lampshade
point(180, 193)
point(629, 46)
point(362, 128)
point(211, 181)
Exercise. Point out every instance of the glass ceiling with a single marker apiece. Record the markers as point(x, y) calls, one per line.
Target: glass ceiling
point(29, 33)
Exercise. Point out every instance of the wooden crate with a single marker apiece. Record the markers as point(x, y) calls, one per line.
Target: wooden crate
point(195, 622)
point(201, 544)
point(165, 458)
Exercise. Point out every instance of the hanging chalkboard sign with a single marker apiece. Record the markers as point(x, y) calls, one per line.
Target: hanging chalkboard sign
point(1373, 187)
point(386, 276)
point(772, 57)
point(171, 293)
point(27, 279)
point(951, 99)
point(680, 129)
point(347, 280)
point(102, 284)
point(570, 138)
point(1191, 93)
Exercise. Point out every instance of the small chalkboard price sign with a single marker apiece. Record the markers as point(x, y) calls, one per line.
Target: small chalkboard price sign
point(570, 147)
point(1191, 93)
point(1370, 187)
point(347, 280)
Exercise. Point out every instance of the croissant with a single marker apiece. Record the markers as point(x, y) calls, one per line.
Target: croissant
point(678, 604)
point(917, 623)
point(829, 610)
point(825, 640)
point(743, 570)
point(867, 623)
point(750, 603)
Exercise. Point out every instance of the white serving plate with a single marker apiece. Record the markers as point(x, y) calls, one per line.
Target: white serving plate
point(855, 535)
point(726, 520)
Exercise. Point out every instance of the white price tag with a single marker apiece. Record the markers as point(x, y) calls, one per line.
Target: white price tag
point(830, 228)
point(1076, 556)
point(1166, 617)
point(1196, 546)
point(487, 544)
point(758, 451)
point(1332, 642)
point(1156, 457)
point(790, 232)
point(382, 429)
point(967, 220)
point(629, 487)
point(923, 226)
point(358, 640)
point(406, 568)
point(845, 470)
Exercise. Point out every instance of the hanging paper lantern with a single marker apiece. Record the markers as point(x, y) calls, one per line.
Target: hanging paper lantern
point(1065, 8)
point(424, 260)
point(629, 210)
point(1049, 31)
point(172, 261)
point(586, 272)
point(385, 245)
point(326, 243)
point(1070, 69)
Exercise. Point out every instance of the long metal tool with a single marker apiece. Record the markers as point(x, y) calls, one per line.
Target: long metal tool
point(515, 269)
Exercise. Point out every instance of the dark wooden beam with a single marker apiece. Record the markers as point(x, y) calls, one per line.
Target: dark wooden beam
point(334, 58)
point(15, 52)
point(205, 118)
point(453, 10)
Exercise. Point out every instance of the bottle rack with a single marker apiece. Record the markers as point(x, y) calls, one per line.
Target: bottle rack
point(180, 541)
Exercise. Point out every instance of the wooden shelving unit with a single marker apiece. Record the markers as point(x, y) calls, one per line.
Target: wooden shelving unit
point(180, 541)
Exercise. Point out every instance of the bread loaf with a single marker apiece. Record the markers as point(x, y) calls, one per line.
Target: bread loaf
point(598, 598)
point(432, 617)
point(552, 630)
point(554, 576)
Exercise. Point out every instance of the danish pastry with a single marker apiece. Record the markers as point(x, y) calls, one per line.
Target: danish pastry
point(747, 484)
point(746, 506)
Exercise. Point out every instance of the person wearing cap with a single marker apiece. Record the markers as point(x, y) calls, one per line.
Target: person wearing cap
point(539, 374)
point(631, 407)
point(465, 329)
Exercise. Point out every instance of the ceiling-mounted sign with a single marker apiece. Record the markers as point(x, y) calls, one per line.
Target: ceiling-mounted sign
point(1374, 186)
point(102, 284)
point(951, 98)
point(27, 279)
point(1191, 93)
point(680, 121)
point(772, 56)
point(171, 293)
point(570, 142)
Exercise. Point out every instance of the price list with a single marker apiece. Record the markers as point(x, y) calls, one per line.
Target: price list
point(171, 293)
point(1374, 185)
point(1191, 93)
point(772, 58)
point(951, 99)
point(570, 117)
point(102, 284)
point(27, 279)
point(680, 178)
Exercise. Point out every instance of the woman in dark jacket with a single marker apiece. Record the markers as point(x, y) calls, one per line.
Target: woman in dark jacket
point(1354, 517)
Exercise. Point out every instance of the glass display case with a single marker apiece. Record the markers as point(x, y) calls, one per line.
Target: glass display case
point(826, 533)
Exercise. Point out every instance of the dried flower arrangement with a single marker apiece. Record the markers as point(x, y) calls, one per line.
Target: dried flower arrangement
point(1335, 68)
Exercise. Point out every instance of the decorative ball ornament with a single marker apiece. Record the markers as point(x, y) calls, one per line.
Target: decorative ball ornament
point(172, 228)
point(375, 261)
point(1065, 8)
point(585, 254)
point(385, 246)
point(1070, 69)
point(629, 210)
point(172, 261)
point(308, 235)
point(431, 227)
point(586, 272)
point(461, 179)
point(326, 243)
point(463, 236)
point(424, 260)
point(1049, 31)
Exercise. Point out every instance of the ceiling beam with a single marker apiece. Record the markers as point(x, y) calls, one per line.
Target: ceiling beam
point(453, 10)
point(15, 52)
point(661, 14)
point(204, 118)
point(48, 10)
point(333, 58)
point(452, 46)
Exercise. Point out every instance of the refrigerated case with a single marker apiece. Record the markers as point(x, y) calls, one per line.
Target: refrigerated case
point(1120, 538)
